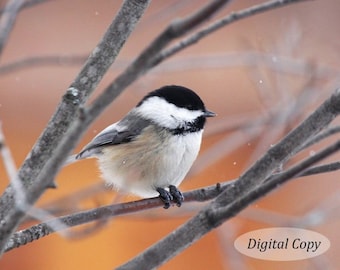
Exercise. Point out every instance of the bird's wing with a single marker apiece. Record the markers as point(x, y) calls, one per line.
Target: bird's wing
point(114, 134)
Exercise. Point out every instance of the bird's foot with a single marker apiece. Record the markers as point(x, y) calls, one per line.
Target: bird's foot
point(177, 195)
point(172, 195)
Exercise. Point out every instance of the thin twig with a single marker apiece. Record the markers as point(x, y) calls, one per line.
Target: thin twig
point(7, 156)
point(71, 203)
point(21, 202)
point(326, 210)
point(32, 62)
point(7, 20)
point(28, 4)
point(235, 16)
point(319, 137)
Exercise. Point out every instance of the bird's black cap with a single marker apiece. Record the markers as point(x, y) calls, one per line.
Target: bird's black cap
point(178, 95)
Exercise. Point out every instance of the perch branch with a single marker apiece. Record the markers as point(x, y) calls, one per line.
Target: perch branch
point(199, 195)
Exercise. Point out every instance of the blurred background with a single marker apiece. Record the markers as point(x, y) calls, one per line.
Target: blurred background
point(262, 76)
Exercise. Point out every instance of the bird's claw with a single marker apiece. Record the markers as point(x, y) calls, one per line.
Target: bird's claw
point(172, 195)
point(177, 195)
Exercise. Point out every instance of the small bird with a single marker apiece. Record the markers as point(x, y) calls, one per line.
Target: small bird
point(151, 149)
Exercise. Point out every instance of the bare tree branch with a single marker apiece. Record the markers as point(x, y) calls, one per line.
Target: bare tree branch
point(233, 17)
point(28, 4)
point(328, 209)
point(42, 61)
point(319, 137)
point(7, 20)
point(7, 156)
point(9, 163)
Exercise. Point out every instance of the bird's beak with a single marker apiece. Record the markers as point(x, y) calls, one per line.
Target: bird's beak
point(209, 114)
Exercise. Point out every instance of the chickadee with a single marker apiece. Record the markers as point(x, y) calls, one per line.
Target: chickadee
point(150, 150)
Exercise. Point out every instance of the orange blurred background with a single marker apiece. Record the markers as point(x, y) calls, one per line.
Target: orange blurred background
point(244, 72)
